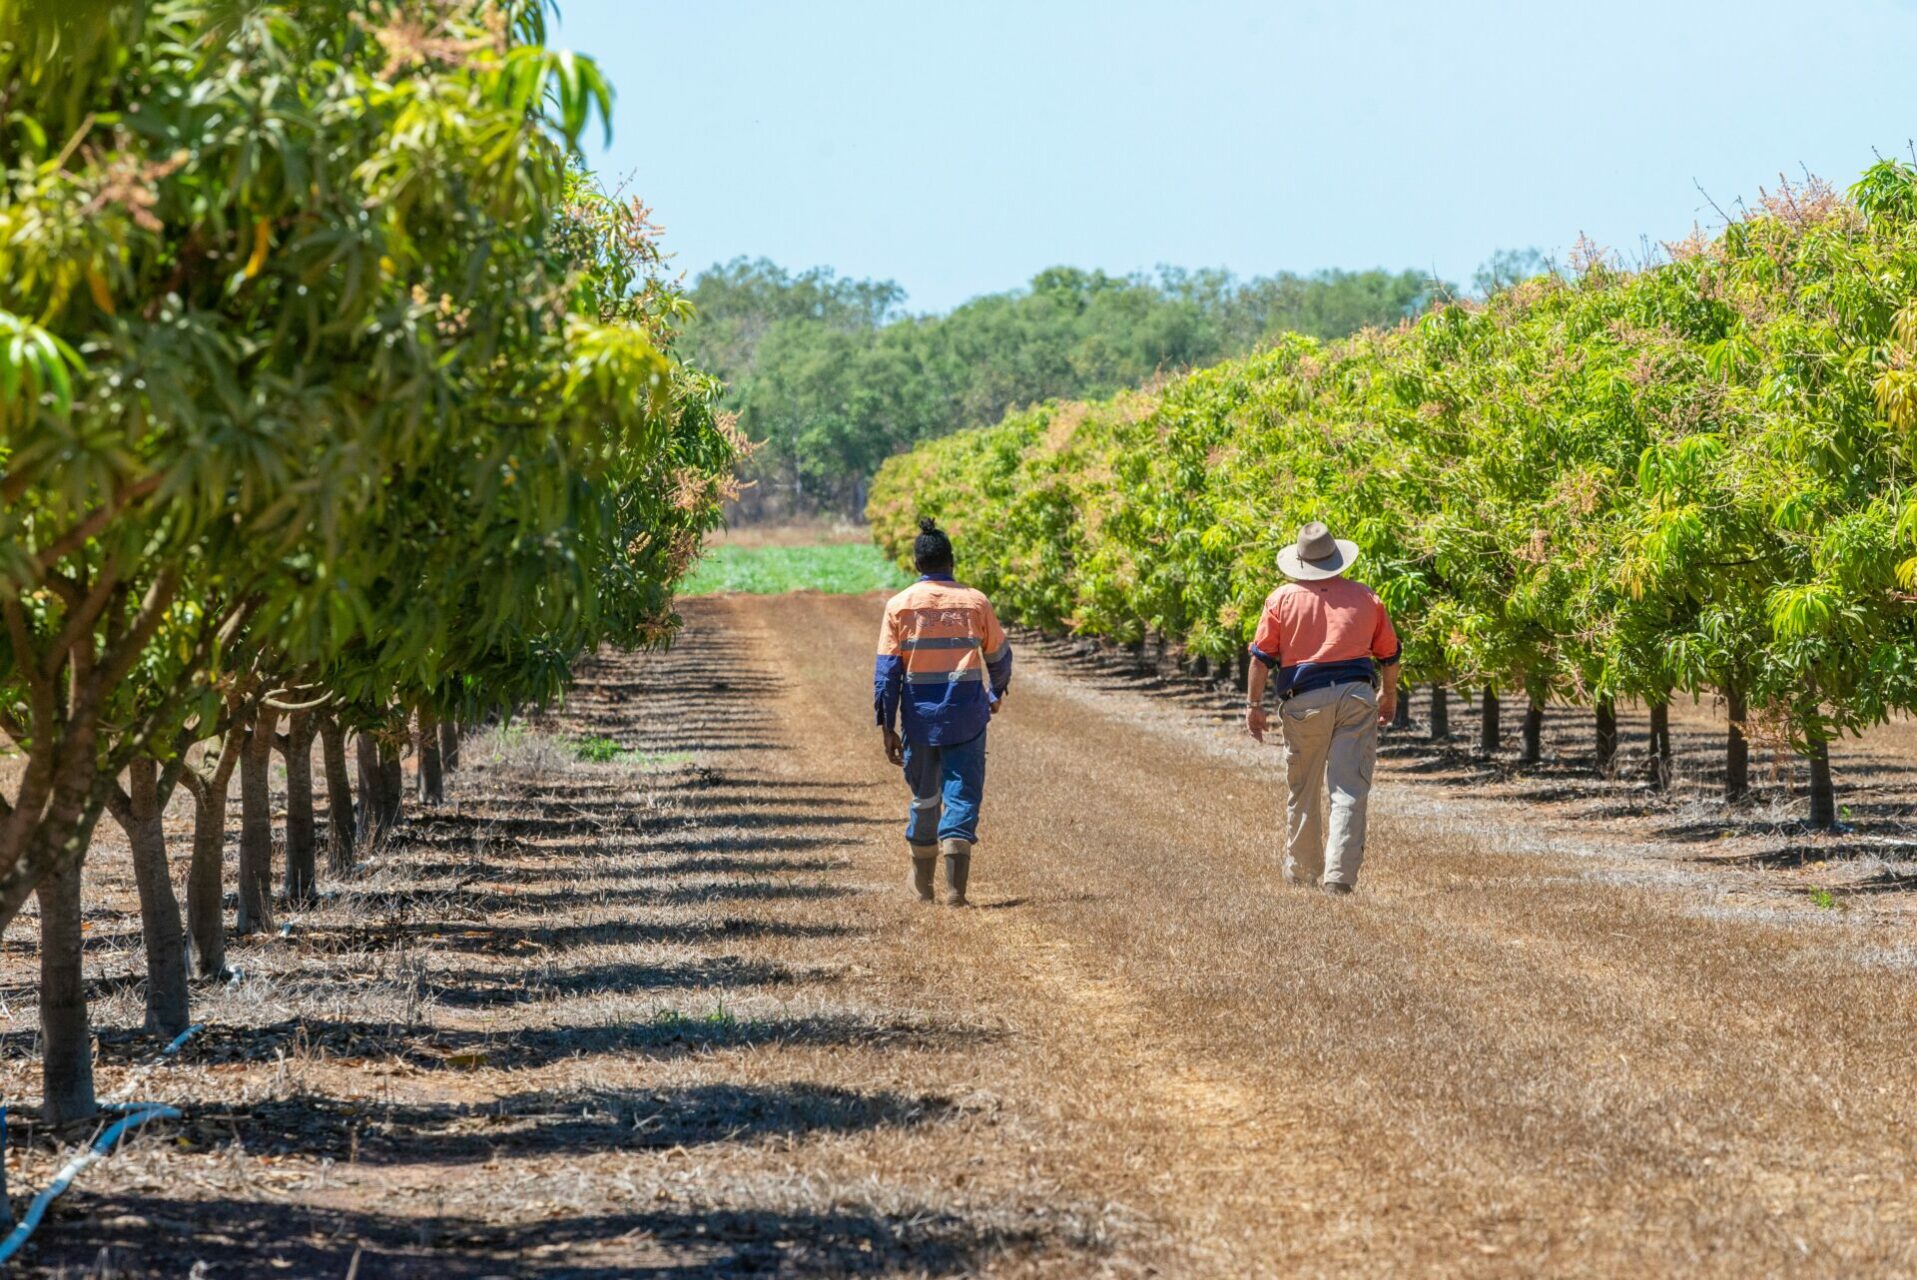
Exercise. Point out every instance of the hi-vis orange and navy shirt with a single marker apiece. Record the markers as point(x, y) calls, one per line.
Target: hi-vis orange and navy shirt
point(943, 662)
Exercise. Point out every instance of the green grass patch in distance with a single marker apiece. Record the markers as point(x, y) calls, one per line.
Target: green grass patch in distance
point(606, 751)
point(844, 569)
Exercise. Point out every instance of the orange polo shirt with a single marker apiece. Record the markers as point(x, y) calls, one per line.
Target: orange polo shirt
point(1325, 632)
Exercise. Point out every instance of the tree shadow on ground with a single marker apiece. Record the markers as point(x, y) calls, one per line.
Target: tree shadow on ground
point(572, 1122)
point(698, 1028)
point(484, 989)
point(449, 900)
point(146, 1237)
point(520, 939)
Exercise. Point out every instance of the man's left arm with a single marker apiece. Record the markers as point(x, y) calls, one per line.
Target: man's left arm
point(888, 685)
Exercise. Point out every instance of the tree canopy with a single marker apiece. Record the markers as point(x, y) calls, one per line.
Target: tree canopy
point(1593, 484)
point(835, 376)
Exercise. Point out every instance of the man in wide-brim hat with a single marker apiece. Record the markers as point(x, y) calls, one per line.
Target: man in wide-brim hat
point(1336, 655)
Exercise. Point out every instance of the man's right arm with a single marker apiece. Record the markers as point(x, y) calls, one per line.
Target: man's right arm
point(997, 648)
point(1386, 650)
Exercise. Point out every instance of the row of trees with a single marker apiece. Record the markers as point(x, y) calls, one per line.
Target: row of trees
point(334, 398)
point(1596, 485)
point(834, 376)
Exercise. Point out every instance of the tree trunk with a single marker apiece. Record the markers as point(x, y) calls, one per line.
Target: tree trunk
point(1440, 713)
point(1490, 732)
point(340, 830)
point(256, 825)
point(1242, 671)
point(66, 1048)
point(1658, 769)
point(1823, 794)
point(432, 783)
point(301, 838)
point(205, 897)
point(139, 812)
point(1737, 746)
point(1401, 718)
point(1533, 732)
point(1606, 734)
point(205, 891)
point(366, 754)
point(392, 786)
point(449, 745)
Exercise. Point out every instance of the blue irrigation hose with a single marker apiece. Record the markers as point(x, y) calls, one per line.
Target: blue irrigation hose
point(173, 1045)
point(132, 1116)
point(102, 1147)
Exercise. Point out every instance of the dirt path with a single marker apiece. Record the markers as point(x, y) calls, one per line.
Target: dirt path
point(680, 1016)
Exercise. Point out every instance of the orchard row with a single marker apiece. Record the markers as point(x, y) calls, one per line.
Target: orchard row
point(335, 397)
point(1596, 485)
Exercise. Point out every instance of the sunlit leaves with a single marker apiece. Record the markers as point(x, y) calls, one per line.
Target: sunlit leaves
point(35, 367)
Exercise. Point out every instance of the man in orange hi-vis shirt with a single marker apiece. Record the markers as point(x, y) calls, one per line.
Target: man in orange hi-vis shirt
point(1336, 655)
point(942, 670)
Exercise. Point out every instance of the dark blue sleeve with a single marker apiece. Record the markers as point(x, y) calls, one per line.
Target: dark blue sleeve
point(888, 679)
point(1000, 667)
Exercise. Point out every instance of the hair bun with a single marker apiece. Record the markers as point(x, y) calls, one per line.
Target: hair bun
point(928, 525)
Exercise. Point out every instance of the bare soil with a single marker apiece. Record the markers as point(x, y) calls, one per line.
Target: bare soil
point(671, 1016)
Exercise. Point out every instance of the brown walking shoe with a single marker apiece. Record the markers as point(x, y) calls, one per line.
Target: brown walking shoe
point(1336, 890)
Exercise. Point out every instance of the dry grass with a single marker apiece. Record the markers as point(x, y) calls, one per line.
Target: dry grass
point(623, 1019)
point(816, 532)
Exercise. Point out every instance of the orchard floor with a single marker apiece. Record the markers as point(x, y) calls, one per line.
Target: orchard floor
point(678, 1016)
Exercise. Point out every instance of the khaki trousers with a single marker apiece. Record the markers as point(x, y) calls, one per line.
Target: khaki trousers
point(1331, 743)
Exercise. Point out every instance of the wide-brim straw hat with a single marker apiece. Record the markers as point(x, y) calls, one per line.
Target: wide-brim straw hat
point(1316, 554)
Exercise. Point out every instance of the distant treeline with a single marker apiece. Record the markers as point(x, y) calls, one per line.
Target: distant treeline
point(834, 376)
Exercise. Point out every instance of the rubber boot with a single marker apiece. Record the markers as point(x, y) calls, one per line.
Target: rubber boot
point(958, 869)
point(925, 865)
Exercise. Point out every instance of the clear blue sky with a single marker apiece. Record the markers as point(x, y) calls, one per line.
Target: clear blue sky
point(960, 146)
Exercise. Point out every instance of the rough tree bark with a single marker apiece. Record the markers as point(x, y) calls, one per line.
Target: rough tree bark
point(392, 786)
point(1440, 713)
point(1606, 734)
point(205, 891)
point(366, 756)
point(1737, 746)
point(1401, 718)
point(341, 831)
point(296, 746)
point(1823, 792)
point(256, 825)
point(66, 1045)
point(1490, 730)
point(139, 810)
point(432, 782)
point(1533, 732)
point(1658, 768)
point(449, 745)
point(68, 685)
point(1241, 673)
